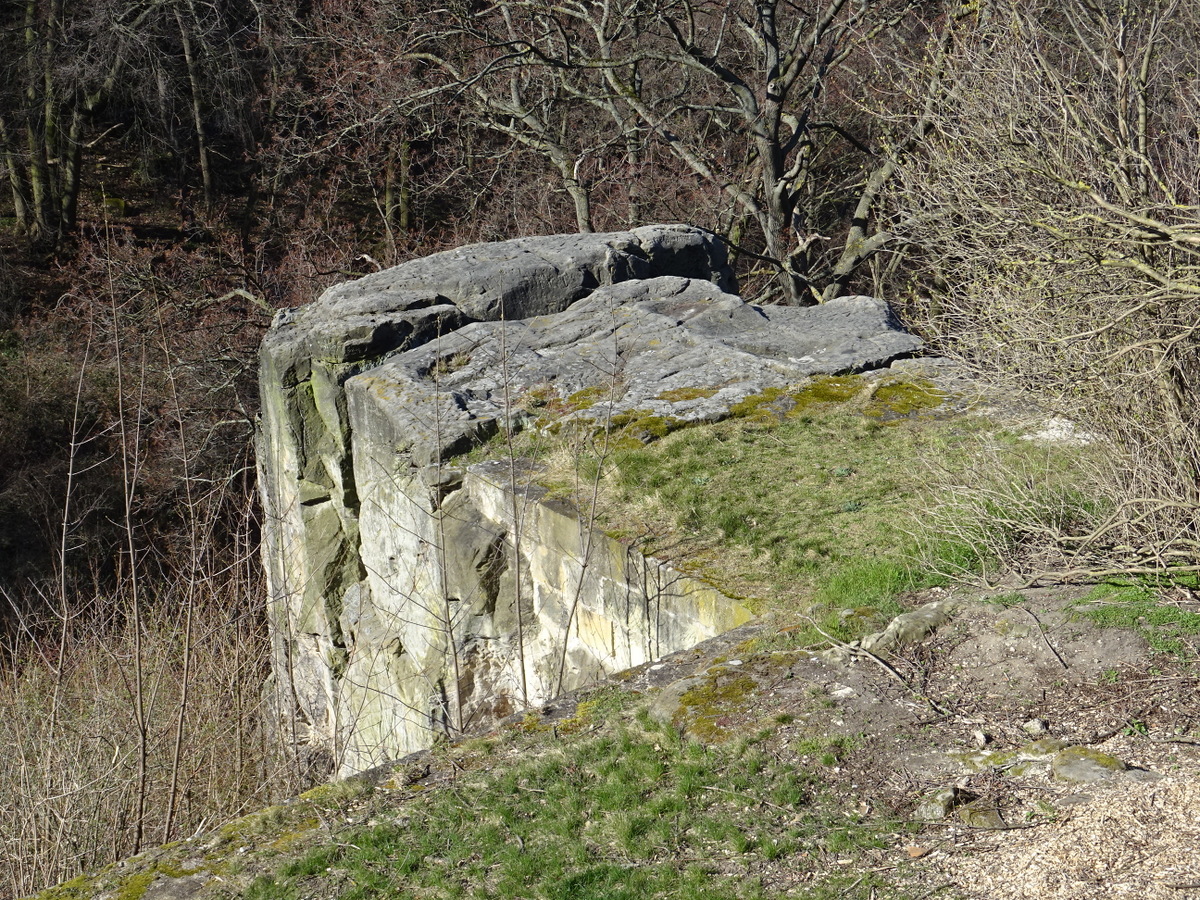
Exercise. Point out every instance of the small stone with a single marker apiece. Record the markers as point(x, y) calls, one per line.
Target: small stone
point(981, 738)
point(980, 815)
point(1143, 775)
point(1035, 727)
point(1083, 765)
point(936, 806)
point(181, 888)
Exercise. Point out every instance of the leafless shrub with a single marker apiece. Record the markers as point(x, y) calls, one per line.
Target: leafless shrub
point(131, 671)
point(1053, 222)
point(90, 774)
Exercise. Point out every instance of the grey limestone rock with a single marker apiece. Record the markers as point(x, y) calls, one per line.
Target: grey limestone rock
point(668, 347)
point(410, 596)
point(906, 628)
point(538, 275)
point(1083, 765)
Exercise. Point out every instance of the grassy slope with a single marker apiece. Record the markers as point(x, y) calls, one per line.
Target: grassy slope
point(812, 514)
point(628, 810)
point(814, 507)
point(607, 804)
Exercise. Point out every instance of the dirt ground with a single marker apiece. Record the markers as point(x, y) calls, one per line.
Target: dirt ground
point(960, 729)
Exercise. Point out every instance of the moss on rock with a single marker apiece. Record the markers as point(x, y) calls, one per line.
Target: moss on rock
point(638, 427)
point(896, 400)
point(682, 395)
point(1082, 765)
point(703, 708)
point(775, 404)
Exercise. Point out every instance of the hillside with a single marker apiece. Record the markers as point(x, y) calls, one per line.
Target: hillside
point(1013, 182)
point(1018, 741)
point(748, 768)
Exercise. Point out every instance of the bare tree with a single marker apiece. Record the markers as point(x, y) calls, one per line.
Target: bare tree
point(748, 98)
point(169, 74)
point(44, 113)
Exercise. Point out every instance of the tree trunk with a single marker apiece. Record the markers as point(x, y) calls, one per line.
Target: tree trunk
point(16, 181)
point(195, 90)
point(70, 162)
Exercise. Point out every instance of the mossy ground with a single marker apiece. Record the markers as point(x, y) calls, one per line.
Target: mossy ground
point(790, 512)
point(702, 710)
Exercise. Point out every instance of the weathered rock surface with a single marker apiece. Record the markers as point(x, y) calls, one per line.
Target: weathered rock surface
point(410, 596)
point(668, 347)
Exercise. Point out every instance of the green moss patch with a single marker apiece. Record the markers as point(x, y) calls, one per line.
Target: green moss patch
point(588, 397)
point(682, 395)
point(775, 404)
point(830, 389)
point(637, 427)
point(79, 888)
point(904, 399)
point(704, 710)
point(770, 405)
point(133, 887)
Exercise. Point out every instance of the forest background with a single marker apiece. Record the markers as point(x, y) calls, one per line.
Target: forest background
point(1018, 179)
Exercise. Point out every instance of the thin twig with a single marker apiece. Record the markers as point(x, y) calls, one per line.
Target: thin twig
point(883, 664)
point(758, 800)
point(1045, 639)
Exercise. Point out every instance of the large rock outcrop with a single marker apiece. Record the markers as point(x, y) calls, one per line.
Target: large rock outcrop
point(409, 595)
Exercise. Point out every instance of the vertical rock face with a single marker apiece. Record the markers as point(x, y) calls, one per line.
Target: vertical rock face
point(408, 596)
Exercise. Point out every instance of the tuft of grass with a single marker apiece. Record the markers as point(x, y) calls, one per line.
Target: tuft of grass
point(1139, 605)
point(868, 581)
point(828, 749)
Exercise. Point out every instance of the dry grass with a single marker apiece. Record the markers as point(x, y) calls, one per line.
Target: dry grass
point(91, 772)
point(1057, 230)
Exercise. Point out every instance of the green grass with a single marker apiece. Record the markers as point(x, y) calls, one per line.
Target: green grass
point(1140, 606)
point(812, 514)
point(633, 812)
point(814, 503)
point(806, 506)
